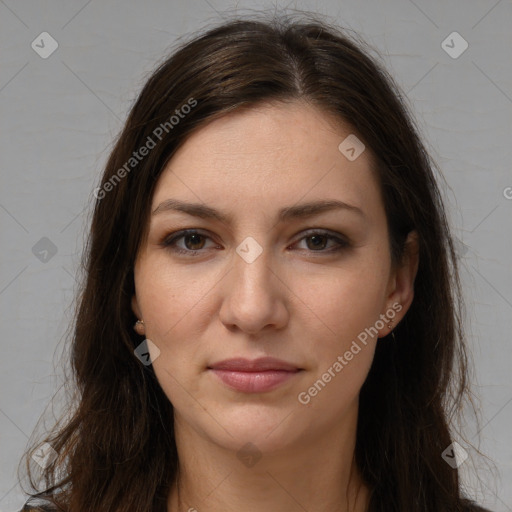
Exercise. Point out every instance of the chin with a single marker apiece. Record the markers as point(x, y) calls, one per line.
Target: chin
point(267, 429)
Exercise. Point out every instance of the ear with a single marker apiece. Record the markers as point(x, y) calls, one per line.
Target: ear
point(400, 292)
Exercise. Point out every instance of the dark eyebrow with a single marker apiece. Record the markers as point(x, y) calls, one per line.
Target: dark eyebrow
point(299, 211)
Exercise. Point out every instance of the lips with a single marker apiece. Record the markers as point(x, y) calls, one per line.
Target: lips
point(257, 365)
point(254, 376)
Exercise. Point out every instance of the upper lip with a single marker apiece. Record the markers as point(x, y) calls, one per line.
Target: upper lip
point(255, 365)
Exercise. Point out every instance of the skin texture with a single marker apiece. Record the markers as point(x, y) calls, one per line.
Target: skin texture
point(296, 301)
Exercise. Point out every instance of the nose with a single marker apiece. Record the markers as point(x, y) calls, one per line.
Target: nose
point(255, 296)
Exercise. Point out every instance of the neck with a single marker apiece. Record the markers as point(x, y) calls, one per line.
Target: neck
point(317, 474)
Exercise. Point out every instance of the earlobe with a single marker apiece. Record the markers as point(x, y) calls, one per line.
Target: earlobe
point(139, 326)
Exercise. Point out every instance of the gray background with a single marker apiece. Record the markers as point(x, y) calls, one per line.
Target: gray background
point(59, 116)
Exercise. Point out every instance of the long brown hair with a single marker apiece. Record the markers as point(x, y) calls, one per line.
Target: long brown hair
point(116, 450)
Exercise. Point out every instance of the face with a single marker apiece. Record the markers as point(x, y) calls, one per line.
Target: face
point(312, 287)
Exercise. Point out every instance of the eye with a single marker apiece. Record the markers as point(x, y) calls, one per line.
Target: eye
point(194, 242)
point(191, 248)
point(320, 238)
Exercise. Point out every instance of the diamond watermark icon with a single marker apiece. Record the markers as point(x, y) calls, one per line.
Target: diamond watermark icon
point(351, 147)
point(454, 45)
point(147, 352)
point(44, 250)
point(249, 455)
point(455, 455)
point(460, 247)
point(44, 45)
point(44, 455)
point(249, 249)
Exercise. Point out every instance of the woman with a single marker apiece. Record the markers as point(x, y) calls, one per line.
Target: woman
point(271, 313)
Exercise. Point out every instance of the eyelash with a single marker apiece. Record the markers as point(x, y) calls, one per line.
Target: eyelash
point(170, 242)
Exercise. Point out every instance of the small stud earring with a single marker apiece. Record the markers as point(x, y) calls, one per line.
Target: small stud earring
point(139, 327)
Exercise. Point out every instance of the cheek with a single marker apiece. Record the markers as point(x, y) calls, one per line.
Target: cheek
point(173, 306)
point(343, 347)
point(343, 303)
point(342, 316)
point(170, 299)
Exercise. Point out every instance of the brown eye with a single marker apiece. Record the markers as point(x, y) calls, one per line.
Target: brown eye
point(320, 239)
point(317, 241)
point(193, 242)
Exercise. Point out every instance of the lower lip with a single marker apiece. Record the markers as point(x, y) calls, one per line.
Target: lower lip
point(254, 382)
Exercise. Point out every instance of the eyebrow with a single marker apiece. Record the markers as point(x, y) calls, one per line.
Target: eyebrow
point(300, 211)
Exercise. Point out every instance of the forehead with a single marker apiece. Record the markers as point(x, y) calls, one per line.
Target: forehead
point(266, 156)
